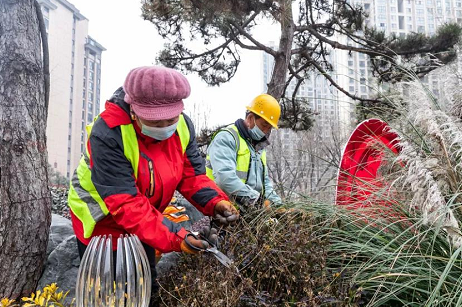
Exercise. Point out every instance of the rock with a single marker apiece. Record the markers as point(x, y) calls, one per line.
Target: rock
point(166, 263)
point(60, 230)
point(62, 257)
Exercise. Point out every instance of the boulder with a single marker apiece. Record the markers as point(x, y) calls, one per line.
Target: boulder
point(62, 257)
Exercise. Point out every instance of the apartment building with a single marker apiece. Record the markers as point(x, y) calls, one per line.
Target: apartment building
point(75, 81)
point(394, 17)
point(300, 163)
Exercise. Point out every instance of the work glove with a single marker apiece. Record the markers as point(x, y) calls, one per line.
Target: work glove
point(247, 204)
point(224, 213)
point(194, 243)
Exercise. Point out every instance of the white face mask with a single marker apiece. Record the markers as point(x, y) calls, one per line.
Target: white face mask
point(256, 133)
point(159, 133)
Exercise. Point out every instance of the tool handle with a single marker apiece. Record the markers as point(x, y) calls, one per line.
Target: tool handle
point(193, 247)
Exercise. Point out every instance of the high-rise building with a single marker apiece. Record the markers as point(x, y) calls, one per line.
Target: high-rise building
point(394, 17)
point(315, 89)
point(75, 81)
point(300, 163)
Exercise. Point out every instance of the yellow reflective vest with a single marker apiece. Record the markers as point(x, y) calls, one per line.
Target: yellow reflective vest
point(83, 199)
point(242, 155)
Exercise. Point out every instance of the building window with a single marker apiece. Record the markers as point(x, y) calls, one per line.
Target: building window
point(401, 22)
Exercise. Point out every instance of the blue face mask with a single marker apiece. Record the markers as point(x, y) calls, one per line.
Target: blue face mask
point(159, 133)
point(256, 133)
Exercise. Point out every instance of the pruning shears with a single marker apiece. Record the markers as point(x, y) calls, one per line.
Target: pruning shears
point(212, 249)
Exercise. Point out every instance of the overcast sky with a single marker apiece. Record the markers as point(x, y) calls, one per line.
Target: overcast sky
point(131, 42)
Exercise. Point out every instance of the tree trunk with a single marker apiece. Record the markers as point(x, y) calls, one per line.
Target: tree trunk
point(277, 85)
point(25, 199)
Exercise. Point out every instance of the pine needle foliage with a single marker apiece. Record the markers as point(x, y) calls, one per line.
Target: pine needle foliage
point(208, 37)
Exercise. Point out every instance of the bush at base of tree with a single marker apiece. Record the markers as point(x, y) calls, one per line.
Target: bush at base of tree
point(281, 256)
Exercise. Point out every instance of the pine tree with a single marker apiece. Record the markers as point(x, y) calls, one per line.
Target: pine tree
point(225, 27)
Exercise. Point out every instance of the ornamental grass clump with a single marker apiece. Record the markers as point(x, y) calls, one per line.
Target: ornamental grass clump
point(281, 258)
point(396, 259)
point(410, 253)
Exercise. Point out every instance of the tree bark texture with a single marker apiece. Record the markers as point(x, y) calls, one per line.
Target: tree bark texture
point(277, 85)
point(25, 200)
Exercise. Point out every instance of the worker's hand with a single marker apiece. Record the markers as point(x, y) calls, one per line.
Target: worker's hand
point(191, 245)
point(209, 234)
point(224, 213)
point(246, 202)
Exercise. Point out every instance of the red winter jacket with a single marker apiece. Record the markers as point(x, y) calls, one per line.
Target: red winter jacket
point(136, 205)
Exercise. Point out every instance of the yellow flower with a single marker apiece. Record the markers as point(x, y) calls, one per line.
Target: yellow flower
point(5, 302)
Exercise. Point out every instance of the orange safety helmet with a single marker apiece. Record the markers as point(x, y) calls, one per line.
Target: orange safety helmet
point(267, 107)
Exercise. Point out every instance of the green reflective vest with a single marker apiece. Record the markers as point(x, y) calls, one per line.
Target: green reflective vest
point(84, 201)
point(242, 155)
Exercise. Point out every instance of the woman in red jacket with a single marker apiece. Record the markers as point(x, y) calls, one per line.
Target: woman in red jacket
point(139, 151)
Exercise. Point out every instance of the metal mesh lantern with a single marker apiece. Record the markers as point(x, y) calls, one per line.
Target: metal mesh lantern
point(96, 285)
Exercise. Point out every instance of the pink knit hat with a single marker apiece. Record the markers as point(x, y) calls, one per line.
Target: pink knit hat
point(155, 92)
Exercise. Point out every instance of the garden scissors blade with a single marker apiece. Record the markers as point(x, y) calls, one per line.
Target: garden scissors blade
point(222, 258)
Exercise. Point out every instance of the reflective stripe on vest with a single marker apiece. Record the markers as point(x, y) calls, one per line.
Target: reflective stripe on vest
point(84, 201)
point(242, 155)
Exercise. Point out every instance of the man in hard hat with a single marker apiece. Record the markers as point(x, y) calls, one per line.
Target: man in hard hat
point(236, 157)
